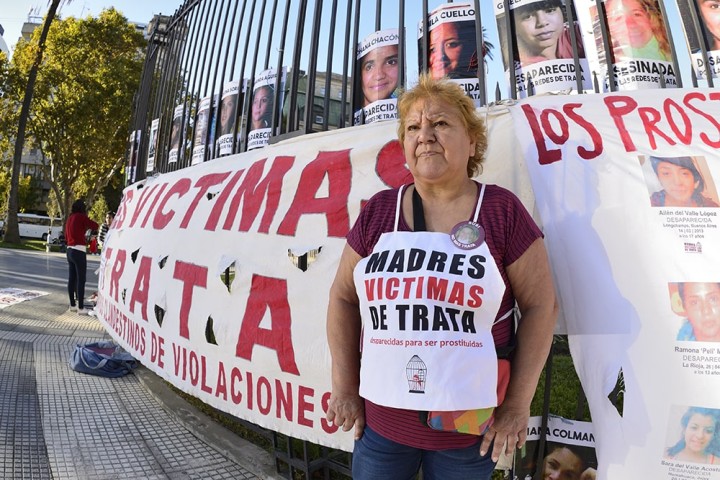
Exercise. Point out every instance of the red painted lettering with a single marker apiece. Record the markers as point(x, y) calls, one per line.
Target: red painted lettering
point(142, 285)
point(337, 168)
point(192, 276)
point(268, 294)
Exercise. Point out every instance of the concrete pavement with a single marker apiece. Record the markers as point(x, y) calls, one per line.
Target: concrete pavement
point(59, 424)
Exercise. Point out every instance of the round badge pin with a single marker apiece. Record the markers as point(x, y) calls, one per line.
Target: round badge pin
point(467, 235)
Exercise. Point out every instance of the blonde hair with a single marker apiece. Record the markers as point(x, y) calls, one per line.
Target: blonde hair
point(443, 90)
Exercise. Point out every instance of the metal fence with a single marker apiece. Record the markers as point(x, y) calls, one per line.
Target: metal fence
point(206, 44)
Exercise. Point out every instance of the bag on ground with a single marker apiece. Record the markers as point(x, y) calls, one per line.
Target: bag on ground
point(104, 359)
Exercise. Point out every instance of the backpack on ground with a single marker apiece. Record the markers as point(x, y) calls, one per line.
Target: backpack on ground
point(104, 359)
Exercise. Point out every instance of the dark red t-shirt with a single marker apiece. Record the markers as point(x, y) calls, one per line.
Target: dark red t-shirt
point(509, 231)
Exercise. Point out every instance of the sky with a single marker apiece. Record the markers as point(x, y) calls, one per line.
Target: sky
point(14, 13)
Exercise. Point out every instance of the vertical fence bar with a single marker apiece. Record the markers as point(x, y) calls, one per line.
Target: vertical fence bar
point(402, 52)
point(480, 46)
point(277, 113)
point(328, 67)
point(292, 117)
point(676, 66)
point(509, 38)
point(606, 44)
point(312, 67)
point(570, 9)
point(353, 60)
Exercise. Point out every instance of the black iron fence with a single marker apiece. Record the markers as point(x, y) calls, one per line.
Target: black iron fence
point(206, 45)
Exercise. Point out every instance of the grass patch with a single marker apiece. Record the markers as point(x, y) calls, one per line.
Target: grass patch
point(26, 244)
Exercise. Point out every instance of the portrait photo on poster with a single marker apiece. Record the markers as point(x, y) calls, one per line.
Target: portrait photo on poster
point(562, 461)
point(636, 31)
point(228, 108)
point(708, 15)
point(698, 306)
point(452, 42)
point(377, 85)
point(679, 181)
point(693, 435)
point(542, 32)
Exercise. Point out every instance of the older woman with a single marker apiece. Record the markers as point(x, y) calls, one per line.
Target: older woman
point(699, 440)
point(682, 183)
point(435, 306)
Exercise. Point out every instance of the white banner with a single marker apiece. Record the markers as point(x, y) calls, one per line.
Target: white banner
point(162, 295)
point(625, 185)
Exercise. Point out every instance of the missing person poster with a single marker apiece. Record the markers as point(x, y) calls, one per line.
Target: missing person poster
point(541, 55)
point(453, 48)
point(640, 51)
point(228, 116)
point(134, 145)
point(705, 34)
point(152, 145)
point(261, 112)
point(569, 451)
point(176, 133)
point(626, 185)
point(376, 84)
point(205, 122)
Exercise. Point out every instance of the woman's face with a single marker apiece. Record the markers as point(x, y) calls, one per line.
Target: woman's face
point(379, 73)
point(629, 23)
point(710, 13)
point(699, 432)
point(437, 146)
point(562, 464)
point(679, 184)
point(701, 302)
point(261, 103)
point(226, 110)
point(540, 30)
point(445, 50)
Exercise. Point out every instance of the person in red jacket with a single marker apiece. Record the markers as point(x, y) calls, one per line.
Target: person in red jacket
point(77, 224)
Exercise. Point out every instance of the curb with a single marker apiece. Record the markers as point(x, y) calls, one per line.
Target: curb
point(244, 453)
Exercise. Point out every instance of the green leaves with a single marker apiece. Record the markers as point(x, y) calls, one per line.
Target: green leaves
point(83, 100)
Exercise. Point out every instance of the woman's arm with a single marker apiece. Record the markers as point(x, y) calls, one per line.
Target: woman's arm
point(532, 286)
point(346, 408)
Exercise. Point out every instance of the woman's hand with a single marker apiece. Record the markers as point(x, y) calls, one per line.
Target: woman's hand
point(347, 411)
point(508, 429)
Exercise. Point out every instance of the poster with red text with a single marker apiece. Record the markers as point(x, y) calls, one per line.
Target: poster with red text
point(626, 187)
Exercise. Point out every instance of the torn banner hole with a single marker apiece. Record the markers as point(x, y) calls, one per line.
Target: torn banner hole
point(617, 396)
point(302, 259)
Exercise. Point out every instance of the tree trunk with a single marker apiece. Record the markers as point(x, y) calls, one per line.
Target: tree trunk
point(12, 232)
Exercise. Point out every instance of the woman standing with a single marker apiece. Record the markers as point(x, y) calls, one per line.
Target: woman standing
point(77, 224)
point(435, 306)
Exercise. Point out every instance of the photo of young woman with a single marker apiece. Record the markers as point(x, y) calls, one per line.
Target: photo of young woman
point(637, 30)
point(679, 182)
point(377, 83)
point(543, 33)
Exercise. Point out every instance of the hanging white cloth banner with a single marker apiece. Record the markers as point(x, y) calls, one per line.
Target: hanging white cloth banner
point(625, 185)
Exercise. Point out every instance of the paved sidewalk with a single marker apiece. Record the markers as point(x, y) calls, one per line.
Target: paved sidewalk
point(59, 424)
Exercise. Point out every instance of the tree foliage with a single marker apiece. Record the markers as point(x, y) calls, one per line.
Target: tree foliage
point(82, 102)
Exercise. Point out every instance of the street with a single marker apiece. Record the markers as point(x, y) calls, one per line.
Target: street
point(47, 272)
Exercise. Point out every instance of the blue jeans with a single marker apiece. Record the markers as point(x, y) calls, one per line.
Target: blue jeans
point(376, 458)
